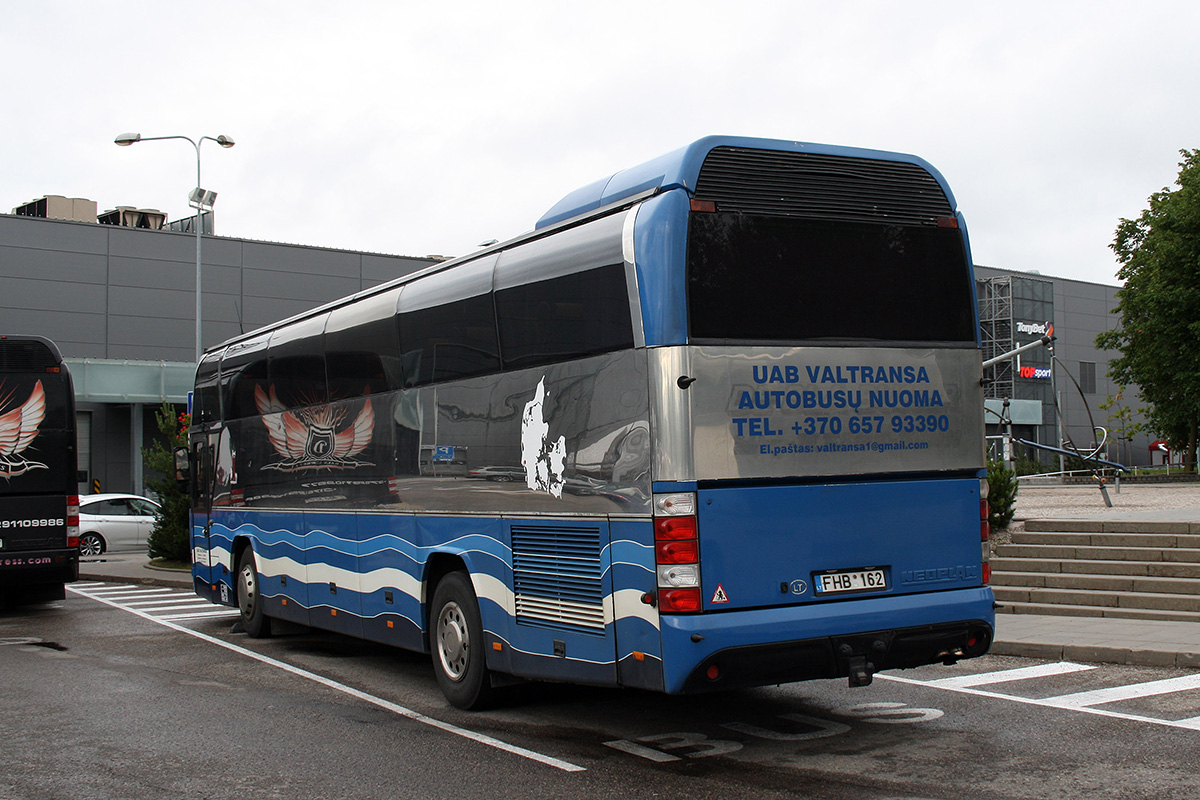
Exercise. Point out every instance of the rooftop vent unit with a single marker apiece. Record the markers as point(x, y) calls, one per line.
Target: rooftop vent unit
point(188, 224)
point(55, 206)
point(130, 217)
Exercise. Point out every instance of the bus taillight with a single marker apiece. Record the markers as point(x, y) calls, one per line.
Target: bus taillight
point(679, 601)
point(677, 553)
point(72, 520)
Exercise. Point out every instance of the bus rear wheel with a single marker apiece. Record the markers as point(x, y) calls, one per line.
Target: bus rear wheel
point(456, 641)
point(249, 597)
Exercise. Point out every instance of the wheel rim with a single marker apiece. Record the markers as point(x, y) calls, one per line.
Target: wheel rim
point(89, 546)
point(454, 641)
point(247, 590)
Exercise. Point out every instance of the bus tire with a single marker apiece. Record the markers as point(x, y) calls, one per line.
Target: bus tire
point(456, 642)
point(249, 597)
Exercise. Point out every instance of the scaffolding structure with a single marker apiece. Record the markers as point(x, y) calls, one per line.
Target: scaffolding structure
point(996, 328)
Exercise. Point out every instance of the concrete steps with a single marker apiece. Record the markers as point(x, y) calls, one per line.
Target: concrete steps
point(1096, 568)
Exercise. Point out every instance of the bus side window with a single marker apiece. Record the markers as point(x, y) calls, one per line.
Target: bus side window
point(206, 405)
point(243, 370)
point(571, 316)
point(363, 360)
point(452, 340)
point(296, 364)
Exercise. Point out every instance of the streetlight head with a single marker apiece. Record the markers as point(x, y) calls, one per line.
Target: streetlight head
point(225, 141)
point(126, 139)
point(201, 198)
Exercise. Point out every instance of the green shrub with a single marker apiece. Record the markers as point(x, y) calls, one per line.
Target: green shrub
point(1002, 494)
point(170, 538)
point(1026, 465)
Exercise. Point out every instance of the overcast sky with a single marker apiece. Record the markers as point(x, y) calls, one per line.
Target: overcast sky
point(417, 128)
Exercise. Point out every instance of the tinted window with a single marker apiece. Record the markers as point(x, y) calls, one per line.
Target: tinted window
point(242, 385)
point(362, 347)
point(448, 341)
point(364, 359)
point(298, 379)
point(206, 405)
point(243, 370)
point(567, 317)
point(297, 363)
point(784, 279)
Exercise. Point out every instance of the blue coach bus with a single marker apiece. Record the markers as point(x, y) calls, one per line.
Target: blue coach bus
point(715, 422)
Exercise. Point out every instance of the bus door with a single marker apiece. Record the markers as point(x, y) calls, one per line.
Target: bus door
point(203, 445)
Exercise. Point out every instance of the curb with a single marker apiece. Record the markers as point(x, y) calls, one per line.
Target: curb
point(1097, 654)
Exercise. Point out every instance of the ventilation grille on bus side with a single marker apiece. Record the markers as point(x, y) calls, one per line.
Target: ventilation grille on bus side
point(821, 186)
point(557, 577)
point(24, 356)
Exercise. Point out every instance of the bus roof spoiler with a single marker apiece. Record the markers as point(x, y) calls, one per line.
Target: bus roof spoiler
point(681, 168)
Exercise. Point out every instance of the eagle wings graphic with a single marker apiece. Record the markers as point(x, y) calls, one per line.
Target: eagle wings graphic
point(309, 439)
point(18, 429)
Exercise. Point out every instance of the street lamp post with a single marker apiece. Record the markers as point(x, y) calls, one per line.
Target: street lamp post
point(199, 199)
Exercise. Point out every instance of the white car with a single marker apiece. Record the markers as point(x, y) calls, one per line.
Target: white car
point(113, 523)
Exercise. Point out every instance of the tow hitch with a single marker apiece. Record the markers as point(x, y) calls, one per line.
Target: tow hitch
point(861, 671)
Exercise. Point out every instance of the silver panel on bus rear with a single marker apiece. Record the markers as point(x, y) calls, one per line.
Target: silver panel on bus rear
point(774, 412)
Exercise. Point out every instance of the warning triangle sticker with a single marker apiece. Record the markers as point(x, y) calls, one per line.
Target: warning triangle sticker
point(719, 595)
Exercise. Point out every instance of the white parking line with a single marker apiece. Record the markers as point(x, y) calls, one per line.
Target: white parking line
point(1098, 697)
point(201, 606)
point(185, 605)
point(183, 598)
point(1192, 724)
point(127, 592)
point(395, 708)
point(228, 612)
point(1006, 675)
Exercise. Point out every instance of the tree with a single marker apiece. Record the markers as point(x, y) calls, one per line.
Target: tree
point(1002, 494)
point(1121, 416)
point(1158, 335)
point(170, 538)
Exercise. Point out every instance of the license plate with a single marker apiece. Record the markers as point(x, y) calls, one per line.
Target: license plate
point(856, 580)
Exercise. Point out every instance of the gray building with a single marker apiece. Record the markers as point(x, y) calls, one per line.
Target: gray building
point(120, 303)
point(119, 300)
point(1016, 308)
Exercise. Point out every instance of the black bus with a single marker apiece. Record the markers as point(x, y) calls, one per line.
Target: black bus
point(39, 501)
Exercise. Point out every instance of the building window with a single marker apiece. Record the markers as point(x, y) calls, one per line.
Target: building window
point(1087, 377)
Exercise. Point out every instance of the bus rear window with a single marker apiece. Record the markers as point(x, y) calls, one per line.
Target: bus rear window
point(758, 278)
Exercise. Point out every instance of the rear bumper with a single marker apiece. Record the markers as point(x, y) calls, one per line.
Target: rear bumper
point(827, 640)
point(23, 568)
